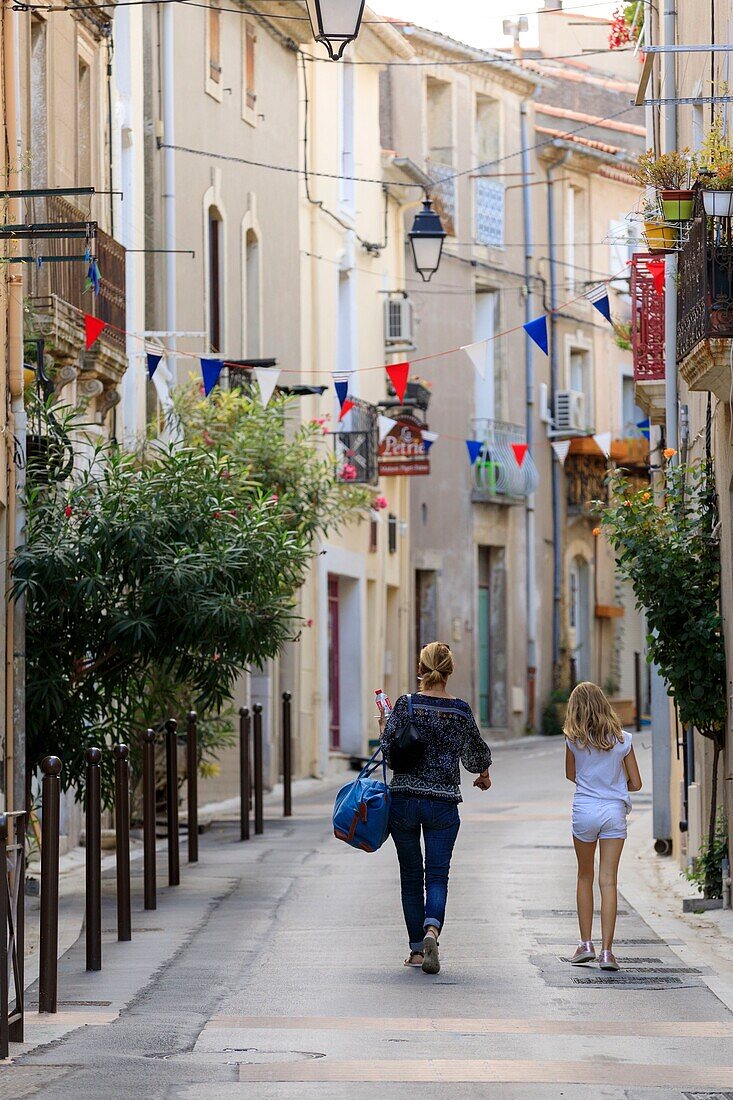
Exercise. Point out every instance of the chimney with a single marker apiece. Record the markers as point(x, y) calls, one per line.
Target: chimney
point(553, 5)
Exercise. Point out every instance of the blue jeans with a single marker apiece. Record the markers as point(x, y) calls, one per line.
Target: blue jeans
point(424, 886)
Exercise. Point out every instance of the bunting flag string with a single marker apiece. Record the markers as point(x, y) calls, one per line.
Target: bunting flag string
point(398, 375)
point(153, 363)
point(537, 331)
point(346, 408)
point(656, 269)
point(93, 329)
point(210, 370)
point(561, 448)
point(341, 386)
point(603, 441)
point(267, 379)
point(385, 424)
point(520, 452)
point(475, 446)
point(478, 353)
point(428, 438)
point(598, 297)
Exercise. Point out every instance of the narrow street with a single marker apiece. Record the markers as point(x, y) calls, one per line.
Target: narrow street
point(274, 970)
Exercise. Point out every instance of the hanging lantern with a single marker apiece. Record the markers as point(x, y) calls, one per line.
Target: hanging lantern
point(335, 23)
point(426, 237)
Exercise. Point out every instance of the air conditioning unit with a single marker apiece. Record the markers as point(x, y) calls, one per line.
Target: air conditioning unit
point(570, 411)
point(397, 320)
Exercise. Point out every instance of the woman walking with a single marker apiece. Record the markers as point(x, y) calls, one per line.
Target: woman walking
point(425, 795)
point(600, 761)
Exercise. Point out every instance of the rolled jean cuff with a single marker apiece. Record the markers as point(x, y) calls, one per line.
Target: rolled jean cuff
point(432, 922)
point(416, 946)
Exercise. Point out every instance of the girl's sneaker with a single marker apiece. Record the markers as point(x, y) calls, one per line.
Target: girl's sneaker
point(607, 961)
point(585, 952)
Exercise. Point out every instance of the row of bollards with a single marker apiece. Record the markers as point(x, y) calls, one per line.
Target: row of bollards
point(252, 797)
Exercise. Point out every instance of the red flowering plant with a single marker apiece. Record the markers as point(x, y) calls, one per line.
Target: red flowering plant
point(626, 24)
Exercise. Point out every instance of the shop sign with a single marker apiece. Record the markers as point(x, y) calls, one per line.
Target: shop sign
point(402, 452)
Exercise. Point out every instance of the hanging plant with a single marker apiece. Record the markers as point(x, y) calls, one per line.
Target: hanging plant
point(626, 24)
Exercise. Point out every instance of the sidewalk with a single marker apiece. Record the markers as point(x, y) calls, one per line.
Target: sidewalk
point(274, 970)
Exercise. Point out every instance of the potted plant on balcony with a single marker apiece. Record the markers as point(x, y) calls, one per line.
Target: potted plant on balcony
point(670, 175)
point(715, 172)
point(660, 235)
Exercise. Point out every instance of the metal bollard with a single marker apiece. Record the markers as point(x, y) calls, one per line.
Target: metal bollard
point(287, 758)
point(259, 814)
point(171, 799)
point(49, 927)
point(192, 779)
point(148, 740)
point(637, 688)
point(121, 754)
point(94, 860)
point(245, 782)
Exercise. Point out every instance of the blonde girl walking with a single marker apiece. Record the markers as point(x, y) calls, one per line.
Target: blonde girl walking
point(600, 761)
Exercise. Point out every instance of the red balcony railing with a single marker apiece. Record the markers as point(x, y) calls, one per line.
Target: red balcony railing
point(647, 321)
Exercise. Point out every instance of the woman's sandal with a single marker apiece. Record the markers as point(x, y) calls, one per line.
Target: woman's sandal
point(431, 960)
point(414, 955)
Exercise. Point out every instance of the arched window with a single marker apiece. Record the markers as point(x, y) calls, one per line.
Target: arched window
point(216, 297)
point(252, 282)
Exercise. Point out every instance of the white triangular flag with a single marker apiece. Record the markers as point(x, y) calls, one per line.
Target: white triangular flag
point(266, 380)
point(561, 448)
point(428, 439)
point(478, 353)
point(385, 425)
point(603, 442)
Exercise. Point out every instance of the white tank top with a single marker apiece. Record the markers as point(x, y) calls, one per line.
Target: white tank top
point(600, 774)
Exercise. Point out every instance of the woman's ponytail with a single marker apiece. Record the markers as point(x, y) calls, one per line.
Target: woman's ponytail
point(435, 665)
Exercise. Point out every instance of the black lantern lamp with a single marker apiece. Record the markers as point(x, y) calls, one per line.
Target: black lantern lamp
point(426, 237)
point(335, 23)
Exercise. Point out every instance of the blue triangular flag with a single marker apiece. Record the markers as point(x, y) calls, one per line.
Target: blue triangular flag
point(474, 449)
point(428, 438)
point(211, 369)
point(537, 331)
point(341, 386)
point(153, 361)
point(603, 306)
point(646, 427)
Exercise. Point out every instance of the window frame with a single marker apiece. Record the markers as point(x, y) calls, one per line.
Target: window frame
point(249, 79)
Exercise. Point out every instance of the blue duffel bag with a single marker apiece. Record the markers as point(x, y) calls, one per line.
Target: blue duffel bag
point(361, 809)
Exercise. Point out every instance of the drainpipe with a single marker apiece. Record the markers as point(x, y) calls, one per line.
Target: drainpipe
point(15, 796)
point(556, 518)
point(529, 516)
point(169, 170)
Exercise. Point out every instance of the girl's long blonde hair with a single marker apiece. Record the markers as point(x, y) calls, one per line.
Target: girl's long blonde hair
point(590, 719)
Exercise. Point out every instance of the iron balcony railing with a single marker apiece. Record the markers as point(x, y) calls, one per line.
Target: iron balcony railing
point(499, 473)
point(66, 281)
point(647, 320)
point(705, 285)
point(585, 479)
point(357, 447)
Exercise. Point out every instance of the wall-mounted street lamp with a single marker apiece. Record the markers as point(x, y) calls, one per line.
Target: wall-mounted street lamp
point(335, 23)
point(426, 237)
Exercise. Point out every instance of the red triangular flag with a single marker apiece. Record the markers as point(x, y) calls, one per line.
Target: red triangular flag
point(520, 450)
point(398, 373)
point(93, 328)
point(657, 271)
point(346, 407)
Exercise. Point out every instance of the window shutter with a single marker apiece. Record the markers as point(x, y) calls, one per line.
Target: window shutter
point(214, 44)
point(250, 96)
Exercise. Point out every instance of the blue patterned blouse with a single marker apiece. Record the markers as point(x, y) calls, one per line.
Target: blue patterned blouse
point(451, 736)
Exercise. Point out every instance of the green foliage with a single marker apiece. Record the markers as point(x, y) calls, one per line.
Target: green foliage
point(671, 557)
point(153, 579)
point(706, 870)
point(553, 715)
point(667, 172)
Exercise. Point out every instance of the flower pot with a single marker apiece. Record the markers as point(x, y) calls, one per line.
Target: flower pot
point(677, 205)
point(718, 204)
point(660, 237)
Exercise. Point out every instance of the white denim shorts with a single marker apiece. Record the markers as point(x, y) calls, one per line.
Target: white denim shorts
point(599, 819)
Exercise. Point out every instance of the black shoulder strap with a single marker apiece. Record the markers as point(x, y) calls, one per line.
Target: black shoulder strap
point(409, 706)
